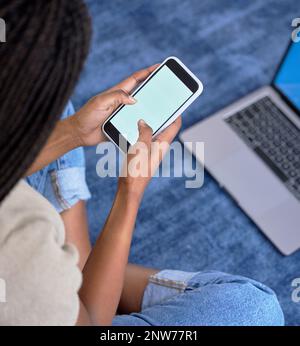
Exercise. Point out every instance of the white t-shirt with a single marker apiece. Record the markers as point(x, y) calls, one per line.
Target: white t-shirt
point(39, 277)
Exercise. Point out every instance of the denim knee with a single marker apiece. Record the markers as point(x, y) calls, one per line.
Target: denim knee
point(236, 300)
point(175, 298)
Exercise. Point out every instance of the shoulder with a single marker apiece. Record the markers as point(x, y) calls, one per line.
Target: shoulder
point(39, 269)
point(24, 205)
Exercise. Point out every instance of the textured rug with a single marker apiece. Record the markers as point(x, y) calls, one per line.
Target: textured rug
point(234, 47)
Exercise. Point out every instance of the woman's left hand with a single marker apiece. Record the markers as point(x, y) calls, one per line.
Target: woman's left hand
point(86, 123)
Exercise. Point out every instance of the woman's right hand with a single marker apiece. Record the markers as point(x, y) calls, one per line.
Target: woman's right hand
point(104, 272)
point(144, 157)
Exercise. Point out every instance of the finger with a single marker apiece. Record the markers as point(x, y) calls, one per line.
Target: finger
point(145, 133)
point(130, 83)
point(114, 99)
point(170, 132)
point(162, 142)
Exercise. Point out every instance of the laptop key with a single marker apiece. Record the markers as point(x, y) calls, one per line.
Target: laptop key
point(297, 165)
point(274, 138)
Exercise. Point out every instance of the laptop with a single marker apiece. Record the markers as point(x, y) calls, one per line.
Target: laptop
point(252, 148)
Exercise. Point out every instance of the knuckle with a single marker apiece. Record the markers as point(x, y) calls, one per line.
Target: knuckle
point(148, 130)
point(118, 96)
point(122, 93)
point(135, 77)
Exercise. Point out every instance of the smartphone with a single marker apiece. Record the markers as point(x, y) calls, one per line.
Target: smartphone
point(161, 98)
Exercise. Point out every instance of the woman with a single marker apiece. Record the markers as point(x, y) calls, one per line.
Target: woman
point(47, 43)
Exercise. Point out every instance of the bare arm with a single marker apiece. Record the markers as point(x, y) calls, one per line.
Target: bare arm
point(104, 272)
point(62, 140)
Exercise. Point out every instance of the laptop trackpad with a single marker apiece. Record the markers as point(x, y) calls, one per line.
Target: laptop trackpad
point(251, 182)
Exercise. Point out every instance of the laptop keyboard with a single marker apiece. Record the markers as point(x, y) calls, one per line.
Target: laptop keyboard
point(273, 137)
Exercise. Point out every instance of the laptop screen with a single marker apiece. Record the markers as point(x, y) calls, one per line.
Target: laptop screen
point(287, 79)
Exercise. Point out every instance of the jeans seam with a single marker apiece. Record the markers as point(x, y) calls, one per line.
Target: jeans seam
point(56, 187)
point(181, 286)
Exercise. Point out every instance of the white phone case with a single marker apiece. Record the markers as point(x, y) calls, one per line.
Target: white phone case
point(179, 111)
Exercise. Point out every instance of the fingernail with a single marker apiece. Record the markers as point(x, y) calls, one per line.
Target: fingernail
point(142, 122)
point(132, 99)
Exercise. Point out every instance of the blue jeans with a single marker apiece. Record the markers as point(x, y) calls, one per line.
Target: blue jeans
point(171, 297)
point(63, 181)
point(177, 298)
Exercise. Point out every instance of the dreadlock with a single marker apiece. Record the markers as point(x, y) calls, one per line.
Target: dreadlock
point(46, 45)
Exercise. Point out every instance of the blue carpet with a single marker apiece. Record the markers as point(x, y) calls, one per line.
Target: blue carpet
point(234, 47)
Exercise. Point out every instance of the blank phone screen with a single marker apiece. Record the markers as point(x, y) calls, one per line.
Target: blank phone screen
point(157, 101)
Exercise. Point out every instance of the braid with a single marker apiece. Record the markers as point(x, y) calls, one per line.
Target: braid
point(47, 42)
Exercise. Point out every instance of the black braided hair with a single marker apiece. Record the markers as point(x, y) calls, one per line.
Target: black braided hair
point(46, 45)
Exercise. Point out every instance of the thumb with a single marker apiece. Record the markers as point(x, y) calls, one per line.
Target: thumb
point(145, 133)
